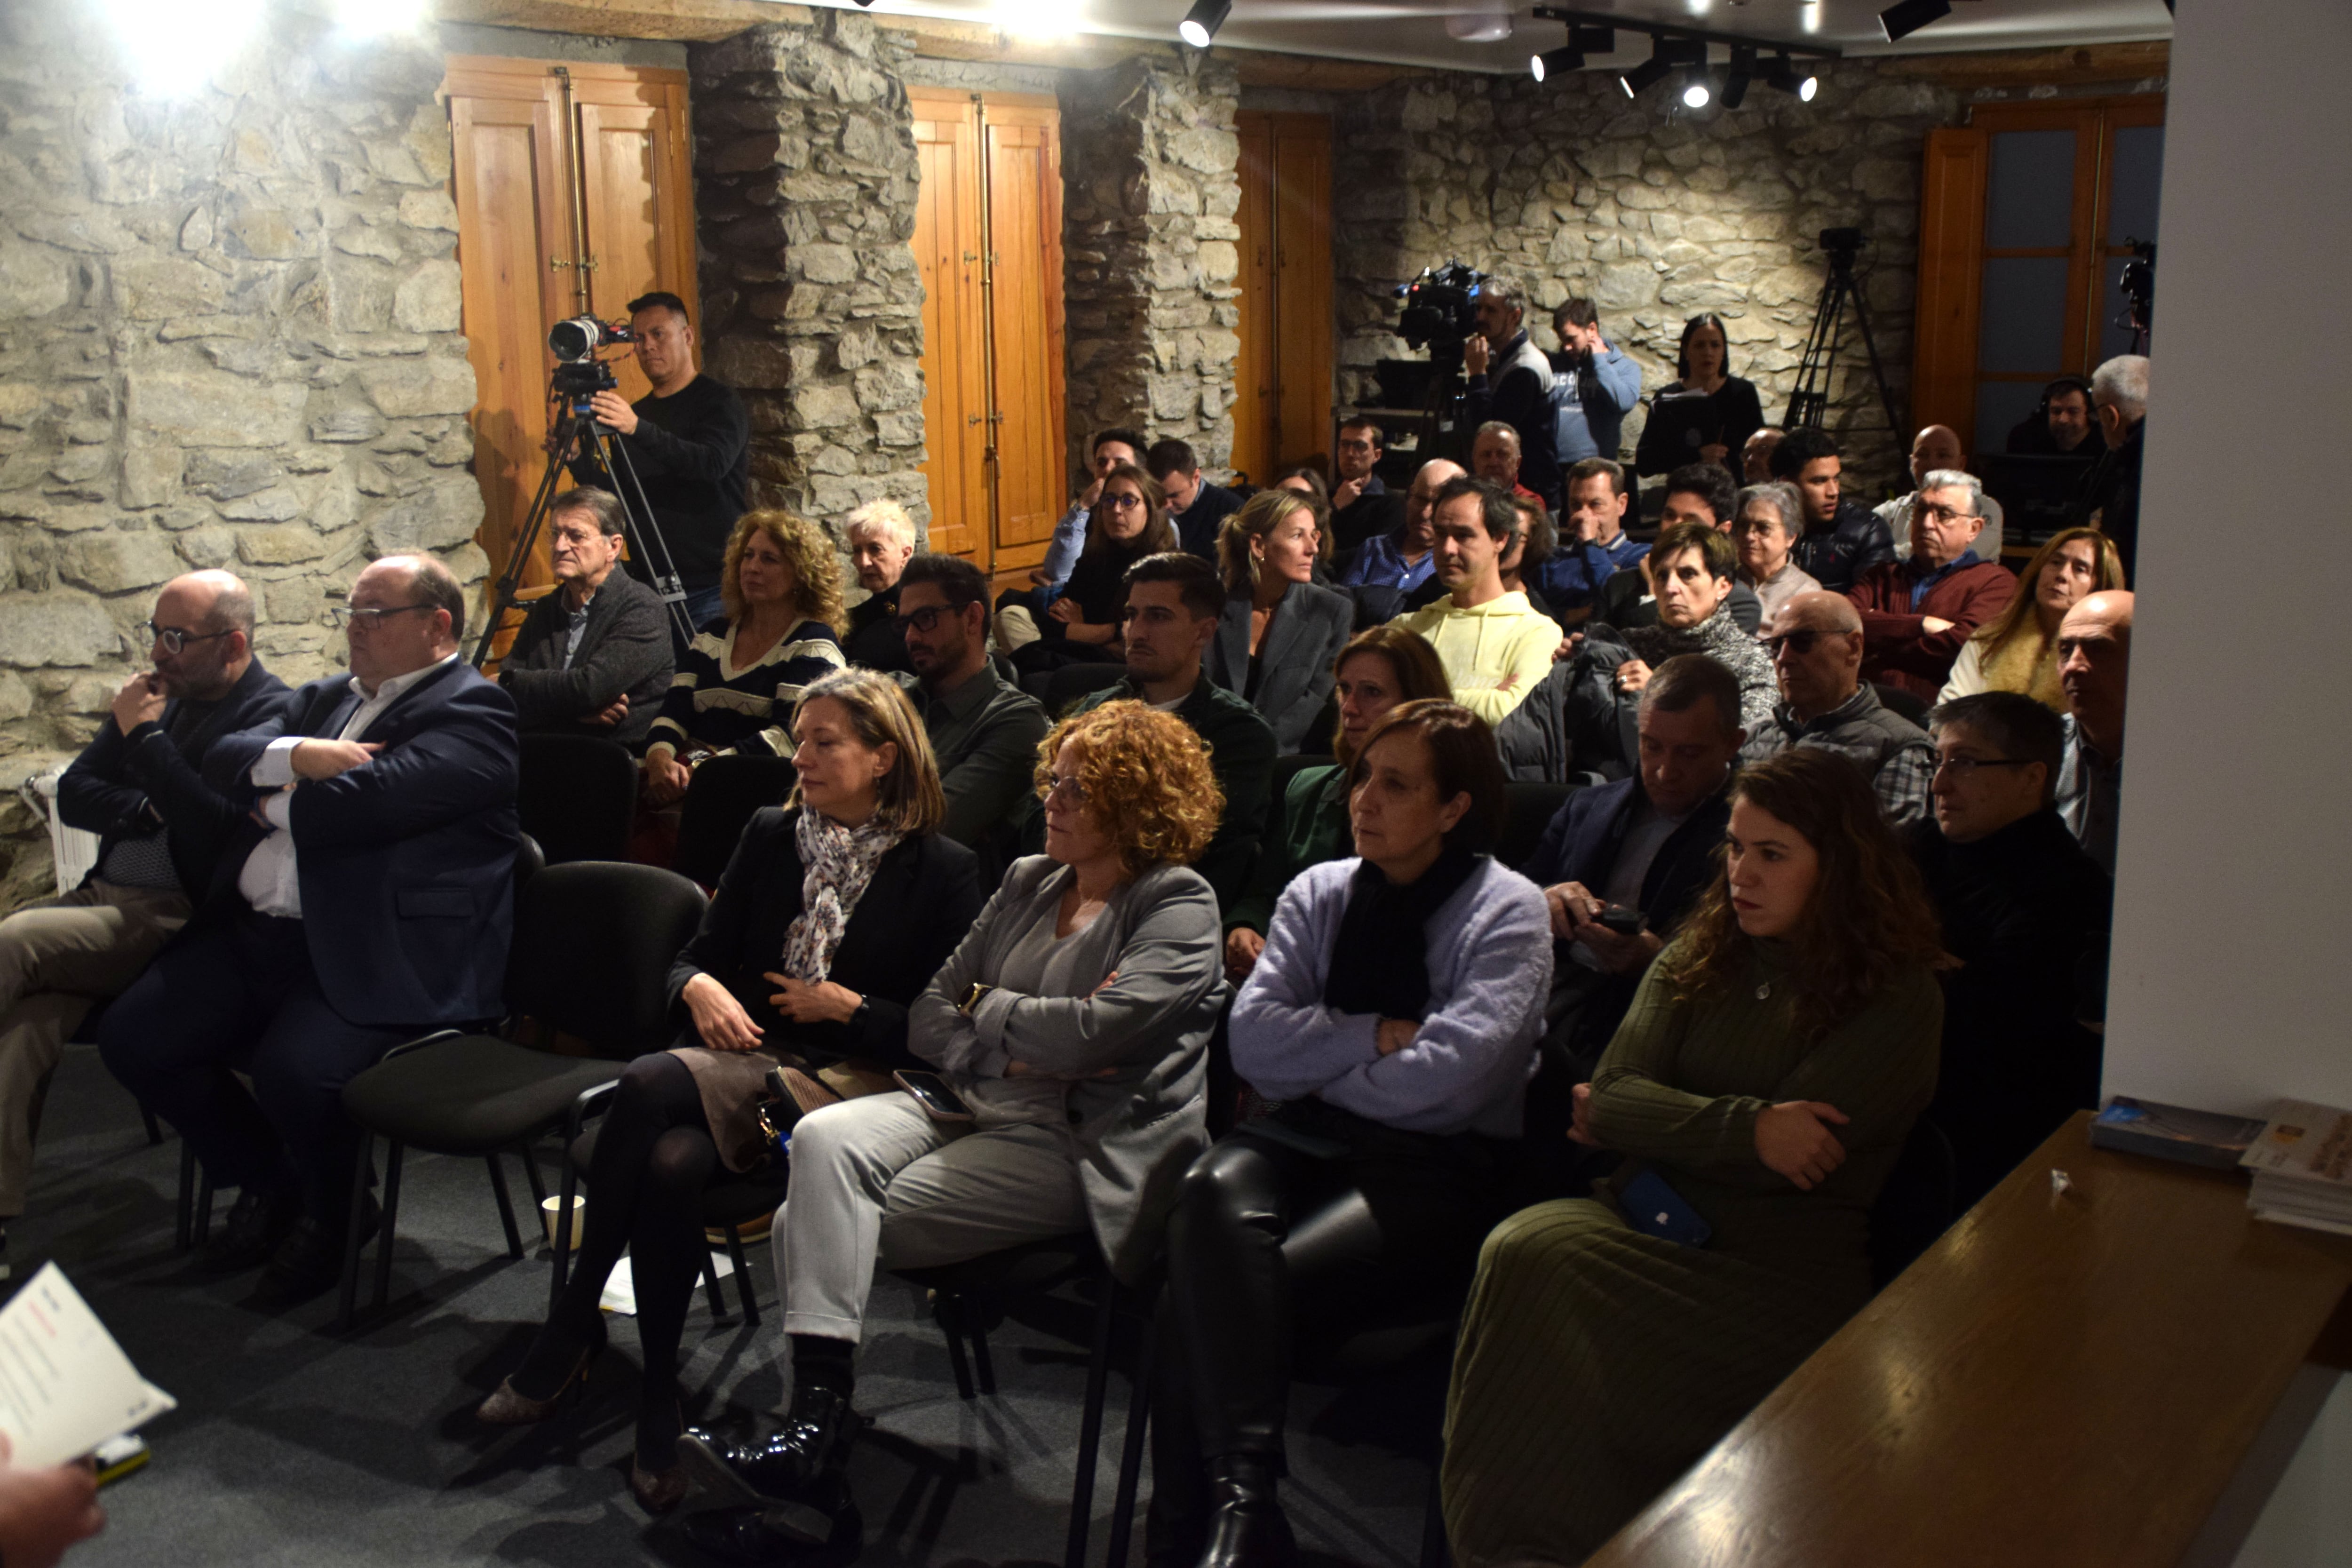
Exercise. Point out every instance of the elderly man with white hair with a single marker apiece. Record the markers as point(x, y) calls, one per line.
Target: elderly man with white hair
point(2109, 497)
point(881, 541)
point(1937, 446)
point(1916, 614)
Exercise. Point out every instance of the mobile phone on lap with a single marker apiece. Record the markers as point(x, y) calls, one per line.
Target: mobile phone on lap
point(930, 1091)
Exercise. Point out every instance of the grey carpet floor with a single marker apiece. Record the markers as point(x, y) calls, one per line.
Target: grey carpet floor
point(298, 1447)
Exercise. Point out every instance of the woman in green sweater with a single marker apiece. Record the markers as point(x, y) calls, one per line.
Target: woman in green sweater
point(1377, 671)
point(1772, 1065)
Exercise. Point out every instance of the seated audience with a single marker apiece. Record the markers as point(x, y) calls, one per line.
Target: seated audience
point(1362, 505)
point(983, 731)
point(2109, 497)
point(1494, 645)
point(1394, 1015)
point(1642, 846)
point(161, 830)
point(1108, 449)
point(1280, 630)
point(881, 539)
point(2025, 910)
point(1702, 370)
point(1375, 672)
point(595, 657)
point(1937, 449)
point(2060, 426)
point(1507, 378)
point(1593, 543)
point(1173, 603)
point(1523, 558)
point(2016, 650)
point(2095, 671)
point(1916, 615)
point(1081, 627)
point(1756, 455)
point(835, 913)
point(1765, 532)
point(1309, 485)
point(1772, 1064)
point(1696, 492)
point(1494, 457)
point(1593, 385)
point(1842, 537)
point(1406, 557)
point(1816, 645)
point(337, 930)
point(741, 679)
point(1196, 508)
point(1073, 1021)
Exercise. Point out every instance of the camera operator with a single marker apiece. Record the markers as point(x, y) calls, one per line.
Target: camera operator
point(2060, 426)
point(689, 441)
point(1596, 383)
point(1510, 380)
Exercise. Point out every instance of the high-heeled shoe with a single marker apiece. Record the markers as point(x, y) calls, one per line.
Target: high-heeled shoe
point(659, 1490)
point(509, 1407)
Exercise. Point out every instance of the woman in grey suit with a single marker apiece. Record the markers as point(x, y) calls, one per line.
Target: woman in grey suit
point(1073, 1024)
point(1281, 630)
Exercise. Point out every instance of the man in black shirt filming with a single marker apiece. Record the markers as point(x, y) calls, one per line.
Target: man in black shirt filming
point(688, 440)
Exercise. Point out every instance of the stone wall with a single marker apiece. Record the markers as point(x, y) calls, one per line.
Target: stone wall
point(1150, 178)
point(1657, 215)
point(229, 336)
point(805, 185)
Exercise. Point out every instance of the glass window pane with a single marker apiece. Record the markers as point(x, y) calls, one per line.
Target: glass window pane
point(2024, 314)
point(2030, 194)
point(2115, 339)
point(2001, 406)
point(2133, 183)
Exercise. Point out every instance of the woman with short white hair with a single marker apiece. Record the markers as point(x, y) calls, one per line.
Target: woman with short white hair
point(881, 539)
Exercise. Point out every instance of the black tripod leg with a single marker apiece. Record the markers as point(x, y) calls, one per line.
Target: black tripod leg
point(510, 580)
point(645, 534)
point(1870, 347)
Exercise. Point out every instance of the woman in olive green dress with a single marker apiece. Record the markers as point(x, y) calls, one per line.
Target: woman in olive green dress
point(1770, 1068)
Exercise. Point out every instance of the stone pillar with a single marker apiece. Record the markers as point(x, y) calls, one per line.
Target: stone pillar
point(806, 181)
point(1151, 174)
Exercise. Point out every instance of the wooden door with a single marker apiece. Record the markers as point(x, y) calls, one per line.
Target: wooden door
point(636, 195)
point(949, 239)
point(1281, 388)
point(1255, 405)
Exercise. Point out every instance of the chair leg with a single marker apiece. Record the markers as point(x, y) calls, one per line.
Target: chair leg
point(1131, 1452)
point(154, 1127)
point(347, 1298)
point(984, 1368)
point(531, 1174)
point(203, 1209)
point(1434, 1553)
point(710, 1285)
point(392, 1161)
point(1090, 1425)
point(506, 1208)
point(569, 1184)
point(183, 1231)
point(947, 1311)
point(751, 1297)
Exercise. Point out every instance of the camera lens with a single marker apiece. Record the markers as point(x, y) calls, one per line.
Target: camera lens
point(573, 339)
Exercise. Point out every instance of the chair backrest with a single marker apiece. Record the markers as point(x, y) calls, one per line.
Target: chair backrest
point(726, 791)
point(1905, 704)
point(1072, 681)
point(1533, 804)
point(578, 797)
point(529, 861)
point(1917, 1203)
point(594, 943)
point(1290, 767)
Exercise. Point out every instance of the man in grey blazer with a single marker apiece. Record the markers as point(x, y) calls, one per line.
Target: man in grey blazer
point(594, 658)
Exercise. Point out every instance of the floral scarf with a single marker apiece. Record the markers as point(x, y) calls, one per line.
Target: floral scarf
point(839, 862)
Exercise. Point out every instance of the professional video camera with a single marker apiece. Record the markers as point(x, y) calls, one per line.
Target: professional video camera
point(2137, 281)
point(580, 375)
point(1441, 310)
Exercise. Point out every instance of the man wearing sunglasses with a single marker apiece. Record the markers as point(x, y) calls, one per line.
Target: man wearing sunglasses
point(1816, 646)
point(161, 830)
point(366, 899)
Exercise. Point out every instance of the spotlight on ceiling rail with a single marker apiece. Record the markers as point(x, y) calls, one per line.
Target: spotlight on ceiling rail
point(1906, 17)
point(1735, 82)
point(1582, 43)
point(1201, 23)
point(1787, 79)
point(1696, 93)
point(1650, 72)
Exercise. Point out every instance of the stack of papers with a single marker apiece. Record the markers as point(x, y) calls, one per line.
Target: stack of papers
point(2302, 1167)
point(65, 1385)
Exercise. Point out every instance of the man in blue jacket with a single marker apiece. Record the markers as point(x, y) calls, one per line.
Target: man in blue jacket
point(1594, 384)
point(365, 900)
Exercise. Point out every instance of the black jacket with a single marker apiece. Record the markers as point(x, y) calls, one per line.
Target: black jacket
point(1857, 540)
point(2110, 491)
point(875, 639)
point(1197, 525)
point(123, 785)
point(923, 898)
point(1520, 394)
point(623, 650)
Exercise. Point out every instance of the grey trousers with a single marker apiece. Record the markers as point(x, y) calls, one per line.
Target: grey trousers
point(58, 958)
point(875, 1180)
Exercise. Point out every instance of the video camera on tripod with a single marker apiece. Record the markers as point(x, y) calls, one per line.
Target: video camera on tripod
point(1440, 312)
point(580, 375)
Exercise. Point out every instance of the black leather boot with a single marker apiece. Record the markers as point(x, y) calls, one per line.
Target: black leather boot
point(796, 1478)
point(1246, 1527)
point(743, 1535)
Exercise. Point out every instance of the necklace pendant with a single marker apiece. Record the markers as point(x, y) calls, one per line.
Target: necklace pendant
point(1764, 991)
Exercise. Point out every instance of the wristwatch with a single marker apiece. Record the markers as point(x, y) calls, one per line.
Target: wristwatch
point(972, 997)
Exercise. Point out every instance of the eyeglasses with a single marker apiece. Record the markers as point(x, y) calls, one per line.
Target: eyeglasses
point(1965, 768)
point(372, 617)
point(1355, 446)
point(927, 619)
point(1800, 643)
point(1120, 500)
point(175, 641)
point(1942, 515)
point(1069, 789)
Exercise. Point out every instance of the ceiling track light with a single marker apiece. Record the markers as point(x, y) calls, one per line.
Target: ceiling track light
point(1696, 93)
point(1650, 72)
point(1906, 17)
point(1735, 82)
point(1786, 78)
point(1581, 43)
point(1685, 49)
point(1201, 23)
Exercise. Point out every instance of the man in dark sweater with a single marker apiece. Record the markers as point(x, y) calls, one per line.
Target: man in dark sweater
point(689, 441)
point(592, 657)
point(1362, 505)
point(2025, 910)
point(1196, 507)
point(1842, 537)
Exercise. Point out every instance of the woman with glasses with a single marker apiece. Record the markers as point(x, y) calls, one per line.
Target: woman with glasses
point(1082, 626)
point(1280, 631)
point(1765, 528)
point(1761, 1090)
point(2016, 650)
point(836, 911)
point(1070, 1032)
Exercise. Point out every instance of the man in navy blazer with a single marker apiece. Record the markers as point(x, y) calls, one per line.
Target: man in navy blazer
point(367, 900)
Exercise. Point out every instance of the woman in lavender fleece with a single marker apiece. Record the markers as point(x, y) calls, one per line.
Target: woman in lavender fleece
point(1394, 1013)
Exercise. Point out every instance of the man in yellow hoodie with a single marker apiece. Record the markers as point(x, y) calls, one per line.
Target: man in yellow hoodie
point(1493, 646)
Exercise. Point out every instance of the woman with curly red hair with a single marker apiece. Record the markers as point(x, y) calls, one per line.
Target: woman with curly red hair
point(1073, 1024)
point(1760, 1088)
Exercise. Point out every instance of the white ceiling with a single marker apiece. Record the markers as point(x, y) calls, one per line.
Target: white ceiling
point(1413, 32)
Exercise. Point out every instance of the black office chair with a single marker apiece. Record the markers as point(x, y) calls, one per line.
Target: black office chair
point(1917, 1203)
point(1905, 704)
point(1072, 681)
point(578, 797)
point(593, 946)
point(724, 795)
point(1533, 804)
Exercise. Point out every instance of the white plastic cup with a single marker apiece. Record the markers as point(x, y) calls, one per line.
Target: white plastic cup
point(549, 1213)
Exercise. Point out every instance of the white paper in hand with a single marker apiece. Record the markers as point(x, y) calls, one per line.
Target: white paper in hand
point(65, 1385)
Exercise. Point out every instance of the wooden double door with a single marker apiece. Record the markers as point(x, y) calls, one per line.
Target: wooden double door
point(987, 240)
point(575, 197)
point(1282, 385)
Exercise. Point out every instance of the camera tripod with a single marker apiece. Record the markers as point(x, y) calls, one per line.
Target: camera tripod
point(1809, 404)
point(575, 421)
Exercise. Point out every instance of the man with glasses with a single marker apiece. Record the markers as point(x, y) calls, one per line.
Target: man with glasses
point(594, 658)
point(366, 900)
point(1917, 613)
point(983, 730)
point(1816, 646)
point(160, 828)
point(2025, 909)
